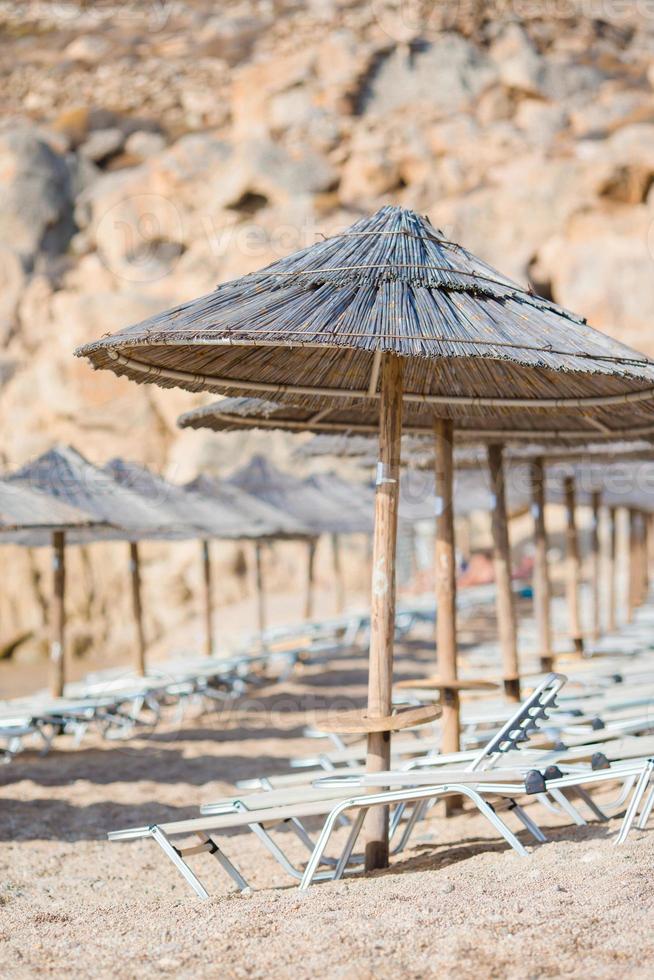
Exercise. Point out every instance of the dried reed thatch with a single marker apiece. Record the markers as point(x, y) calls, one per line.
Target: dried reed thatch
point(208, 507)
point(304, 500)
point(22, 508)
point(417, 493)
point(66, 475)
point(310, 330)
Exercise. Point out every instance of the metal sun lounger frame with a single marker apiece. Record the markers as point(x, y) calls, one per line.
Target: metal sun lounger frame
point(240, 811)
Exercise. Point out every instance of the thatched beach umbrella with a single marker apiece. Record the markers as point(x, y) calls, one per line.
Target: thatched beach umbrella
point(217, 511)
point(393, 324)
point(30, 517)
point(305, 502)
point(277, 525)
point(119, 513)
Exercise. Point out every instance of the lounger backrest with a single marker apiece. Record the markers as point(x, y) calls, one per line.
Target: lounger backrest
point(522, 725)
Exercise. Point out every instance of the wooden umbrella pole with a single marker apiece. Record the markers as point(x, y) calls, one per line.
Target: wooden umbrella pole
point(382, 629)
point(542, 584)
point(644, 570)
point(208, 598)
point(261, 599)
point(596, 499)
point(573, 580)
point(58, 616)
point(311, 564)
point(444, 560)
point(137, 605)
point(506, 618)
point(632, 584)
point(611, 620)
point(339, 584)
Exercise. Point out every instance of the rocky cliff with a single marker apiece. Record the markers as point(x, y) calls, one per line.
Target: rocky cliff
point(150, 150)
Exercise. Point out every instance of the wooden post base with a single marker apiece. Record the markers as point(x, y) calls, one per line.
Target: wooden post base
point(512, 688)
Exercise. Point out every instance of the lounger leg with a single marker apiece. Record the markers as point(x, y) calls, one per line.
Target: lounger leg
point(632, 809)
point(622, 796)
point(566, 805)
point(278, 854)
point(298, 827)
point(226, 864)
point(417, 814)
point(349, 846)
point(647, 809)
point(321, 843)
point(590, 803)
point(487, 811)
point(527, 822)
point(171, 851)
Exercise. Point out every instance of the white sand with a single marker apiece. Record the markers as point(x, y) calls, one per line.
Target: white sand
point(456, 903)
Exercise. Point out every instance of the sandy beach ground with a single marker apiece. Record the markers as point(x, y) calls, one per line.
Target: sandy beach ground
point(456, 903)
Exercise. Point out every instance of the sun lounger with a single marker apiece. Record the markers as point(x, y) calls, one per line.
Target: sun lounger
point(259, 812)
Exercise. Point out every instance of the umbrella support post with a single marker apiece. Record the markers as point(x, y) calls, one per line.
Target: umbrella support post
point(339, 584)
point(261, 599)
point(444, 560)
point(573, 577)
point(382, 633)
point(644, 571)
point(596, 628)
point(311, 565)
point(58, 616)
point(208, 598)
point(611, 624)
point(632, 585)
point(137, 606)
point(445, 567)
point(542, 585)
point(506, 617)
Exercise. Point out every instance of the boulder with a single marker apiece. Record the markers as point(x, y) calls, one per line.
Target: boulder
point(230, 38)
point(12, 284)
point(36, 209)
point(88, 48)
point(518, 63)
point(600, 265)
point(103, 143)
point(143, 144)
point(446, 75)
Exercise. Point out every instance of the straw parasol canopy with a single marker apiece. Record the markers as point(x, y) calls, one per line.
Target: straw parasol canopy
point(63, 473)
point(25, 509)
point(272, 522)
point(210, 510)
point(314, 324)
point(390, 324)
point(30, 517)
point(304, 500)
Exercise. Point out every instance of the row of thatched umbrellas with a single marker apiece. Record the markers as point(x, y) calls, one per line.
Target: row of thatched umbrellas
point(390, 326)
point(60, 498)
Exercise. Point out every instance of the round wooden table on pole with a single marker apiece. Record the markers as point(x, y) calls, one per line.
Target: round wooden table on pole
point(208, 598)
point(137, 606)
point(58, 616)
point(595, 571)
point(339, 584)
point(382, 628)
point(445, 568)
point(573, 565)
point(506, 618)
point(309, 596)
point(611, 623)
point(542, 584)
